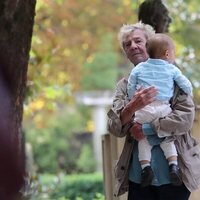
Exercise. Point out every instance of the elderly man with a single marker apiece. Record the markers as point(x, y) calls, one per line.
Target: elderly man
point(177, 124)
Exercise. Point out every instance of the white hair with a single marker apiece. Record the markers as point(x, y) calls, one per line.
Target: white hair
point(126, 29)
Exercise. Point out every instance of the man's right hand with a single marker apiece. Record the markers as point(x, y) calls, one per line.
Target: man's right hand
point(141, 98)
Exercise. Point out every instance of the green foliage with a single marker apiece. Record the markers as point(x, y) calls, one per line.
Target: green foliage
point(75, 187)
point(66, 33)
point(86, 161)
point(185, 31)
point(80, 186)
point(56, 147)
point(100, 71)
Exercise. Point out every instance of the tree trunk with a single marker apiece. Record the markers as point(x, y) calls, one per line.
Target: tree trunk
point(16, 21)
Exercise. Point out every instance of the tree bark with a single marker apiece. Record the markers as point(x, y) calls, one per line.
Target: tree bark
point(16, 27)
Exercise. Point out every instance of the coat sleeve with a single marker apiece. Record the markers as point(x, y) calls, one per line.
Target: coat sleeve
point(180, 120)
point(119, 102)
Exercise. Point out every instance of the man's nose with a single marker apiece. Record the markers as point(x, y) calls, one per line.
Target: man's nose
point(133, 45)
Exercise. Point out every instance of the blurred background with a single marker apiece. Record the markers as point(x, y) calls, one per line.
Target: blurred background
point(75, 62)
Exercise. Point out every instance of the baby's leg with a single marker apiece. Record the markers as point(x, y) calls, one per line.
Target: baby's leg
point(144, 154)
point(170, 153)
point(144, 149)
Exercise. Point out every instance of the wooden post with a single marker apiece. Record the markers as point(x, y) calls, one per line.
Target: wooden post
point(107, 166)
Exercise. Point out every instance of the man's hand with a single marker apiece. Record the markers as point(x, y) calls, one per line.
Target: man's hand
point(141, 98)
point(136, 131)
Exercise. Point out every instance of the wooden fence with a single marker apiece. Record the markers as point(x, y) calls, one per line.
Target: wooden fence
point(112, 147)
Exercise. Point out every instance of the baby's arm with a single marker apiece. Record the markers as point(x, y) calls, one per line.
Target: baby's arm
point(183, 82)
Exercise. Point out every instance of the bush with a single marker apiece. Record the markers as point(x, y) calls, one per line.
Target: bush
point(86, 161)
point(73, 187)
point(63, 134)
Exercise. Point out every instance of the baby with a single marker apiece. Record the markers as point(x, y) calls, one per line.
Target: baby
point(158, 71)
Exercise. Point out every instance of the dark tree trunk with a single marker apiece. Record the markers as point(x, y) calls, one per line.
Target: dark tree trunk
point(16, 25)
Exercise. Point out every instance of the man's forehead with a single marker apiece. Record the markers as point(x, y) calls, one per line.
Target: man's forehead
point(136, 34)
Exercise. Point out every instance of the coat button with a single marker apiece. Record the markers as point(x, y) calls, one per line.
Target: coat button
point(122, 168)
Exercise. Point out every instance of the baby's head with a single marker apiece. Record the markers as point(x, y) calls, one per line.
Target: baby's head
point(161, 46)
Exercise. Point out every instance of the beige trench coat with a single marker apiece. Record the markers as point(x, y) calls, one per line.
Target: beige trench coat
point(178, 124)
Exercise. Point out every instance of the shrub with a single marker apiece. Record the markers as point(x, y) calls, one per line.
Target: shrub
point(73, 187)
point(63, 134)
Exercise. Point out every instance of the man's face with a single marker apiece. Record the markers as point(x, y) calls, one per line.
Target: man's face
point(135, 47)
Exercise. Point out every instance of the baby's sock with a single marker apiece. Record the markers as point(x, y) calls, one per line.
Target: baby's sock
point(173, 162)
point(145, 165)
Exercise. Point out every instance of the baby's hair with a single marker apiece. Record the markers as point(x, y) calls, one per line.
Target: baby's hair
point(158, 44)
